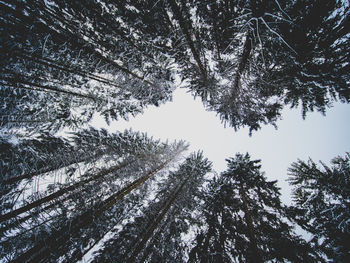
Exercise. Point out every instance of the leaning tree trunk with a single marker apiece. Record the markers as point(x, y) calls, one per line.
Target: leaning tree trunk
point(58, 239)
point(59, 193)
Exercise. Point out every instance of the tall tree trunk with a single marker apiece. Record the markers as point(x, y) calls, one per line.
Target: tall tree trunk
point(59, 238)
point(14, 81)
point(249, 221)
point(185, 28)
point(60, 193)
point(53, 64)
point(19, 221)
point(15, 179)
point(242, 64)
point(258, 9)
point(215, 32)
point(154, 224)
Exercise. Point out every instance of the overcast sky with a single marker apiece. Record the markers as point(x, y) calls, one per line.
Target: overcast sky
point(317, 137)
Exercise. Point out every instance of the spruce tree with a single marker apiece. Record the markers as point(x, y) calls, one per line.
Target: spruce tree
point(245, 220)
point(321, 204)
point(62, 62)
point(264, 55)
point(79, 201)
point(168, 243)
point(66, 61)
point(154, 232)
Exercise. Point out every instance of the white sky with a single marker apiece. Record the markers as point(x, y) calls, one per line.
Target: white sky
point(318, 137)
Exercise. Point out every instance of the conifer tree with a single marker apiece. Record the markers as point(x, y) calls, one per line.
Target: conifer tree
point(83, 205)
point(153, 233)
point(245, 220)
point(168, 243)
point(321, 204)
point(27, 159)
point(66, 61)
point(264, 55)
point(62, 62)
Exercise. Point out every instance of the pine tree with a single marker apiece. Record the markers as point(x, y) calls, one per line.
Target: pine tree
point(245, 220)
point(321, 195)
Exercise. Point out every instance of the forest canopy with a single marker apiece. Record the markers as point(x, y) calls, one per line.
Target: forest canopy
point(72, 192)
point(63, 61)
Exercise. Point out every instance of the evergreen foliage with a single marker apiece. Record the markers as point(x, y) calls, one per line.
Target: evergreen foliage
point(111, 196)
point(76, 200)
point(245, 220)
point(155, 232)
point(261, 55)
point(62, 62)
point(322, 197)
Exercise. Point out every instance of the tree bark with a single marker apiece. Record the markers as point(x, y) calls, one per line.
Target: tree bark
point(15, 179)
